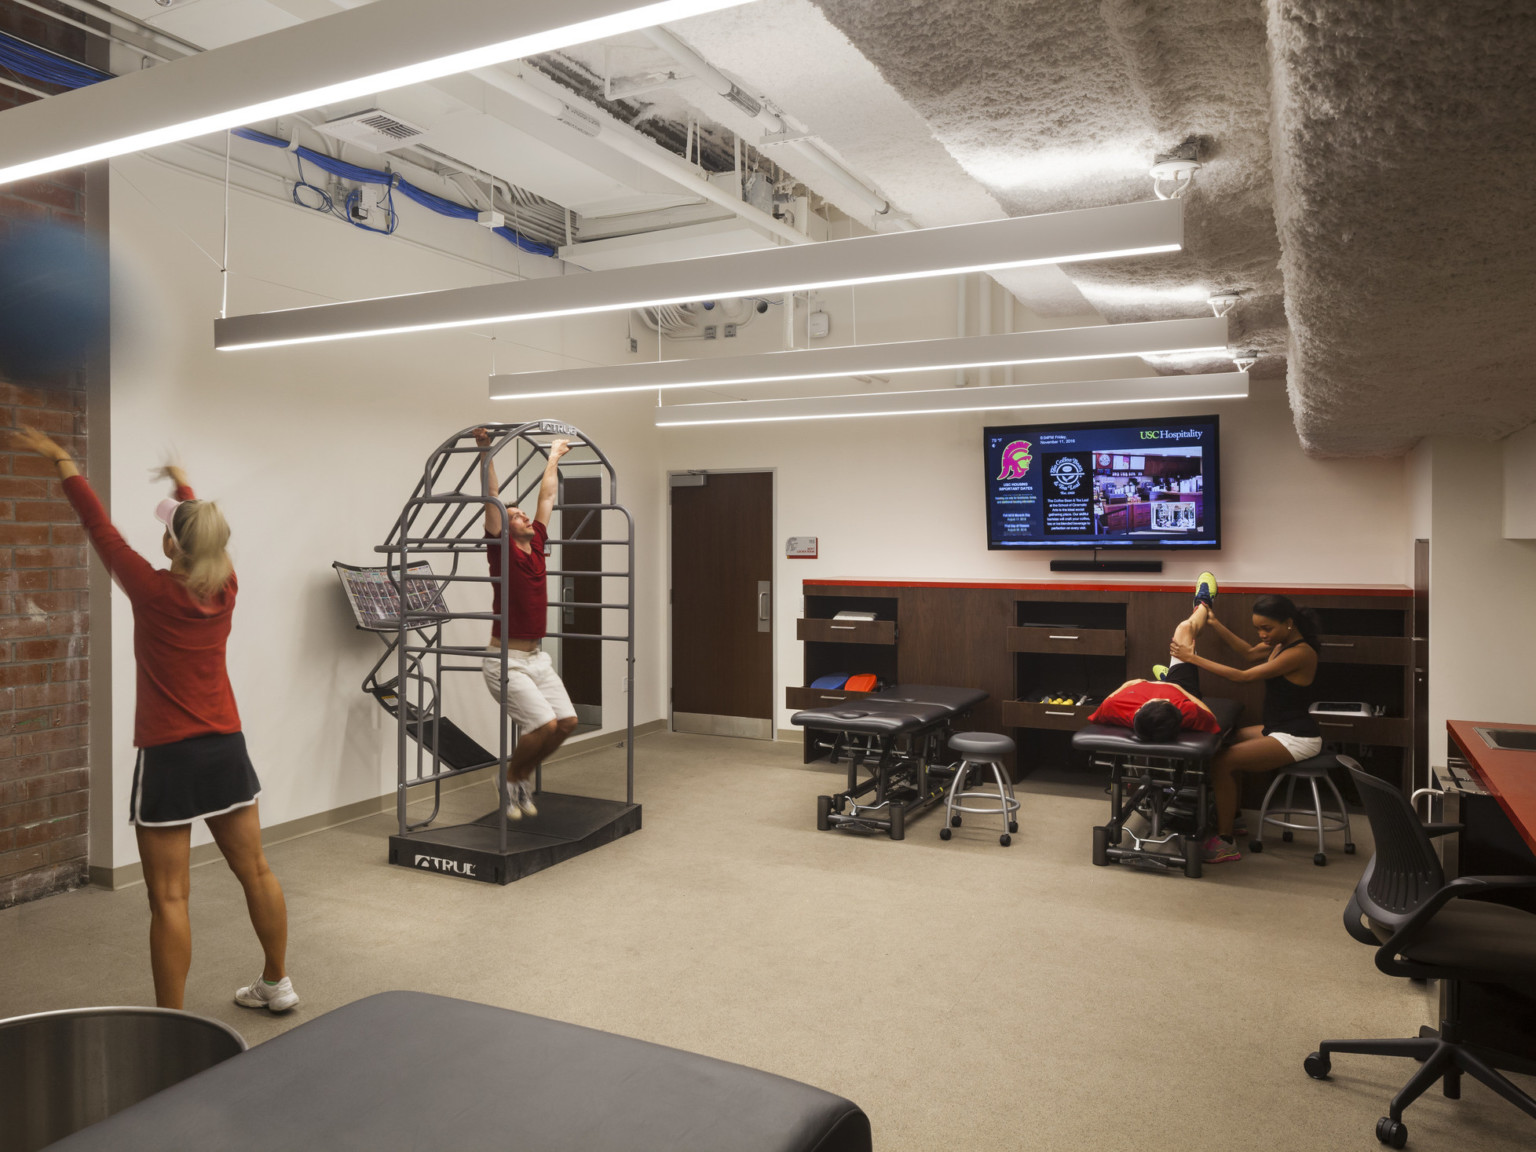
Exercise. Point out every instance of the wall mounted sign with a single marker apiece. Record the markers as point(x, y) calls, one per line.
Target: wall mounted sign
point(801, 548)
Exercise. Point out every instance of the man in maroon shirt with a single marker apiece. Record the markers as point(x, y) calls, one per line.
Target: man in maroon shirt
point(533, 696)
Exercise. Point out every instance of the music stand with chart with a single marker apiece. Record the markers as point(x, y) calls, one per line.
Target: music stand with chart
point(444, 518)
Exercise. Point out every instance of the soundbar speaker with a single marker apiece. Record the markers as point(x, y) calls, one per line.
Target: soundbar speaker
point(1106, 565)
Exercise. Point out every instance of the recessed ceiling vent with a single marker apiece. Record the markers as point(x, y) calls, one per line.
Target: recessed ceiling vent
point(374, 130)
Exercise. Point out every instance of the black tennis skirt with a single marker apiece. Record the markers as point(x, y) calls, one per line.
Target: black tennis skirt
point(190, 779)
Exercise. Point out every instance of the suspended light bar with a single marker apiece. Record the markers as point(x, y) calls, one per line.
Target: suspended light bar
point(1155, 337)
point(384, 45)
point(1081, 394)
point(1055, 238)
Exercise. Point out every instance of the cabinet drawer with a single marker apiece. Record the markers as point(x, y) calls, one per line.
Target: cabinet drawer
point(1085, 641)
point(1365, 649)
point(1390, 731)
point(846, 631)
point(798, 698)
point(1026, 714)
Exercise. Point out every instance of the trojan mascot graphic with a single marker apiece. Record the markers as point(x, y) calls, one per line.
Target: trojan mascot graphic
point(1015, 460)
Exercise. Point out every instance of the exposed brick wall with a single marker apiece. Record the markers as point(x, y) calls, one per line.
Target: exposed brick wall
point(44, 622)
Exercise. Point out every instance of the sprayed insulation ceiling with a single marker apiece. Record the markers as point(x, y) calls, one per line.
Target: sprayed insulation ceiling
point(1367, 184)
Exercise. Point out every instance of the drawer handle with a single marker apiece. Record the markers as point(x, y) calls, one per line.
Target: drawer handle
point(834, 697)
point(1336, 644)
point(1334, 724)
point(1048, 712)
point(1063, 637)
point(842, 627)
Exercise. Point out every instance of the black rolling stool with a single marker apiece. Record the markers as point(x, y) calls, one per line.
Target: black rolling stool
point(1311, 771)
point(978, 750)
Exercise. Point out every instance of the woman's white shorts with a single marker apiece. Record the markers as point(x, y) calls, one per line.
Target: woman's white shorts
point(1300, 747)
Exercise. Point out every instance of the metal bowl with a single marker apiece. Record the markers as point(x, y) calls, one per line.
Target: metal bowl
point(62, 1071)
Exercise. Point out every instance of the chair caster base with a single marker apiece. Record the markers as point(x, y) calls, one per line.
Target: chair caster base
point(1255, 845)
point(1317, 1066)
point(1392, 1133)
point(1005, 839)
point(944, 833)
point(1321, 860)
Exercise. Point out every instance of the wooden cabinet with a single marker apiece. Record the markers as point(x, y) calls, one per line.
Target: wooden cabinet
point(1021, 641)
point(1068, 641)
point(846, 631)
point(798, 698)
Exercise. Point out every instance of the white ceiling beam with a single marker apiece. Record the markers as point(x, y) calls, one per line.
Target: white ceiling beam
point(928, 402)
point(1099, 342)
point(385, 45)
point(1055, 238)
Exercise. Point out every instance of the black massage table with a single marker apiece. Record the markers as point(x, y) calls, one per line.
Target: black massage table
point(900, 736)
point(1166, 782)
point(407, 1071)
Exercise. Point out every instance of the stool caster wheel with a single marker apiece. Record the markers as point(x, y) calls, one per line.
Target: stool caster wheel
point(823, 810)
point(944, 833)
point(1013, 825)
point(1317, 1066)
point(1255, 845)
point(954, 821)
point(1349, 849)
point(1005, 839)
point(1287, 836)
point(1392, 1133)
point(1320, 860)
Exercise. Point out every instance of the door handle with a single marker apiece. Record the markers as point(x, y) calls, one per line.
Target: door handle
point(765, 605)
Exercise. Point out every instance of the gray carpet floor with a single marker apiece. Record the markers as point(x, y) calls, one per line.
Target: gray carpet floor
point(963, 994)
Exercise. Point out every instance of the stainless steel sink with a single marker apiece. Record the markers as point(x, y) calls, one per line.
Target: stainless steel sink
point(1508, 739)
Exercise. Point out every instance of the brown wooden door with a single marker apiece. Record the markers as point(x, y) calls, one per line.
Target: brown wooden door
point(1419, 708)
point(722, 604)
point(581, 661)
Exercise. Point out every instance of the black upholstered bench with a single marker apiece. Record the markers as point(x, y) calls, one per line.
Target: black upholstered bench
point(1152, 778)
point(407, 1071)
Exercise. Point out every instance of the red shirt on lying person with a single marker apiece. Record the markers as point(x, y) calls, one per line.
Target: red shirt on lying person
point(1120, 706)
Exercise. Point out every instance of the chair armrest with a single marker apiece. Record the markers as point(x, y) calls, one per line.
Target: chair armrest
point(1433, 830)
point(1410, 929)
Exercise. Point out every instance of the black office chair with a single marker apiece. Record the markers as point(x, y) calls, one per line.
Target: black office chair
point(1424, 928)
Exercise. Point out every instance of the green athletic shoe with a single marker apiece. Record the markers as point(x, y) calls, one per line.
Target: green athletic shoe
point(1159, 671)
point(1205, 589)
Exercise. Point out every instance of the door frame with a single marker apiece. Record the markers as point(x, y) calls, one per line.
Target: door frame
point(773, 611)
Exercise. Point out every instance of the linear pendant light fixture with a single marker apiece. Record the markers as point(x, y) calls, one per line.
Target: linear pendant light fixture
point(1054, 238)
point(1083, 393)
point(1100, 342)
point(384, 45)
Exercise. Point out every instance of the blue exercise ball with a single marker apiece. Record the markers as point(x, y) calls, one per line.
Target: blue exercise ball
point(54, 302)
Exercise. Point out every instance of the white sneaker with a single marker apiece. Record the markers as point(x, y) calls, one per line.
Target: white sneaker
point(277, 997)
point(523, 798)
point(513, 812)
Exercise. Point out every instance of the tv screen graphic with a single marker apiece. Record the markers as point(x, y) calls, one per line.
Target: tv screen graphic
point(1110, 484)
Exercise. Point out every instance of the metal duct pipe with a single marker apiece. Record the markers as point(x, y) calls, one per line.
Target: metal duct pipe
point(850, 185)
point(625, 140)
point(128, 23)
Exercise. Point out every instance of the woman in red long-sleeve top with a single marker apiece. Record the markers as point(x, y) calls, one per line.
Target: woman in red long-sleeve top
point(192, 759)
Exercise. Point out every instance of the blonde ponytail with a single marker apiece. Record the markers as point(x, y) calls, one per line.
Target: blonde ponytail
point(202, 534)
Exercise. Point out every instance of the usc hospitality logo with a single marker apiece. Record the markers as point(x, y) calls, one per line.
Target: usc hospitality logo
point(1015, 460)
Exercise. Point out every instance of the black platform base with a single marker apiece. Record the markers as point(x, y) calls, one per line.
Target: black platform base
point(1106, 565)
point(566, 826)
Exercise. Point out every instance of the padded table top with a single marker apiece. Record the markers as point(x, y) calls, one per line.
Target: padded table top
point(406, 1070)
point(898, 709)
point(1186, 746)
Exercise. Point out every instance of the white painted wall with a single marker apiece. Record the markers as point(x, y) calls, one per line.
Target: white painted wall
point(311, 452)
point(1482, 626)
point(1520, 485)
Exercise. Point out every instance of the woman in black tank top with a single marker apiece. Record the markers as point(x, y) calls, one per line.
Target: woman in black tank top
point(1285, 658)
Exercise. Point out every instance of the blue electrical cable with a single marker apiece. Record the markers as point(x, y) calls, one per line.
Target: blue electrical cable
point(40, 64)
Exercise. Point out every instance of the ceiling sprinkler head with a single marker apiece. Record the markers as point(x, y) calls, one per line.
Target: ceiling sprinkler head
point(1179, 174)
point(1223, 303)
point(1245, 360)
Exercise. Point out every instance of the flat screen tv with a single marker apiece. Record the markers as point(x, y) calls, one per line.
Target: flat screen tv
point(1110, 484)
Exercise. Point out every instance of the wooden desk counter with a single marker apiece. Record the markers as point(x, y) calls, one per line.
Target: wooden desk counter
point(1509, 776)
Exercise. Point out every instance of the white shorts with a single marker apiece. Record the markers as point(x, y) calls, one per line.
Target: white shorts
point(1300, 747)
point(535, 695)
